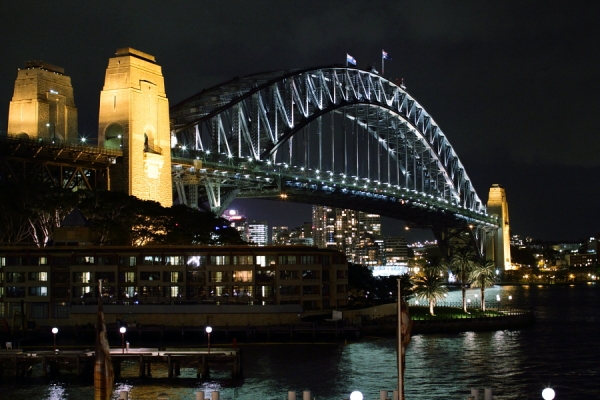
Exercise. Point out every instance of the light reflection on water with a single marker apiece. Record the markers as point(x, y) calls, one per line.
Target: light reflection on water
point(559, 351)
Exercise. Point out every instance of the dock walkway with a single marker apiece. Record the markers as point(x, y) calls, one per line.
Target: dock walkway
point(81, 363)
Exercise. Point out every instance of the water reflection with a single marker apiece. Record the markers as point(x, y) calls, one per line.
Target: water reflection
point(559, 351)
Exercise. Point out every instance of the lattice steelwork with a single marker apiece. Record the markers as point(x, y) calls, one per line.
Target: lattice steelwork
point(338, 130)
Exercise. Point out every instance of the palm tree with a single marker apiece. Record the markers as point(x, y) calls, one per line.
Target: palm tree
point(482, 275)
point(430, 286)
point(461, 263)
point(437, 264)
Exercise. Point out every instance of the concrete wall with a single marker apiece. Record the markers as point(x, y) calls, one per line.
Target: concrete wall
point(178, 315)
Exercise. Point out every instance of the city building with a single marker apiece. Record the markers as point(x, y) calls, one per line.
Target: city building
point(280, 235)
point(258, 233)
point(301, 235)
point(61, 282)
point(237, 221)
point(356, 233)
point(581, 260)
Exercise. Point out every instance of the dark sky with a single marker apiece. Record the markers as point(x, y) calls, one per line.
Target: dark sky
point(514, 85)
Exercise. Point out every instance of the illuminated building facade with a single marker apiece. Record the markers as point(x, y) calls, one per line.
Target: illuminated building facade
point(43, 105)
point(134, 116)
point(258, 233)
point(50, 281)
point(237, 221)
point(356, 233)
point(280, 235)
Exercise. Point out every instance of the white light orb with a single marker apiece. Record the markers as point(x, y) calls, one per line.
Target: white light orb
point(122, 329)
point(548, 394)
point(356, 395)
point(208, 329)
point(55, 330)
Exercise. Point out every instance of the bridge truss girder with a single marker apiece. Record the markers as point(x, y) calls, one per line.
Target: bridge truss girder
point(343, 128)
point(58, 164)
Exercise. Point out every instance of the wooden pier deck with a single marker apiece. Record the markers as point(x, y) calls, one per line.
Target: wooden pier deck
point(81, 363)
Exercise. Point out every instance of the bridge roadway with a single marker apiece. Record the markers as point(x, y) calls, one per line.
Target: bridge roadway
point(258, 179)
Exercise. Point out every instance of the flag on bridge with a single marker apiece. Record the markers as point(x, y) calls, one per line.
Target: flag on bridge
point(384, 56)
point(350, 59)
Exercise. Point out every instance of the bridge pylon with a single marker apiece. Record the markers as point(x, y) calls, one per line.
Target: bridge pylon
point(134, 117)
point(43, 106)
point(500, 244)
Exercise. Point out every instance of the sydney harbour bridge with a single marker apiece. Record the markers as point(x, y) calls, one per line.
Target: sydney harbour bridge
point(335, 136)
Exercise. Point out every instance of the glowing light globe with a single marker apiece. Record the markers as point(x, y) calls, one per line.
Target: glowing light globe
point(356, 395)
point(548, 394)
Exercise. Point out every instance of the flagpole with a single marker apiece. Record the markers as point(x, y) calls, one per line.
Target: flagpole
point(382, 63)
point(400, 377)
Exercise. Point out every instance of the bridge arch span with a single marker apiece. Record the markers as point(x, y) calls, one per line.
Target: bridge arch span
point(334, 129)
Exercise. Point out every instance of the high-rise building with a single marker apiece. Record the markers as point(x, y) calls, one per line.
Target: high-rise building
point(354, 232)
point(258, 233)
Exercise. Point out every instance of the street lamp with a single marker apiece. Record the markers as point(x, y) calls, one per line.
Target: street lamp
point(356, 395)
point(548, 394)
point(123, 330)
point(208, 331)
point(55, 331)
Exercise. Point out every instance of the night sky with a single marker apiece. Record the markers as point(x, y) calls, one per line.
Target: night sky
point(514, 85)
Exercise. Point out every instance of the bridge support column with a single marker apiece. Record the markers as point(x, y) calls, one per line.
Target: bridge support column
point(498, 206)
point(134, 117)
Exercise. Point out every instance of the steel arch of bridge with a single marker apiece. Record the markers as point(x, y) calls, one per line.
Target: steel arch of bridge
point(333, 130)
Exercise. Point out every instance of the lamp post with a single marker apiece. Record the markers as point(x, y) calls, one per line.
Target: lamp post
point(123, 330)
point(548, 394)
point(208, 331)
point(356, 395)
point(55, 331)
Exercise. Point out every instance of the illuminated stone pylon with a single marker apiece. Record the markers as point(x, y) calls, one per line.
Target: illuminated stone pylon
point(134, 116)
point(498, 206)
point(42, 105)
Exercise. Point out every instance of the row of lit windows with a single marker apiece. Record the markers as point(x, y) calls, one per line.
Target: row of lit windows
point(19, 277)
point(191, 260)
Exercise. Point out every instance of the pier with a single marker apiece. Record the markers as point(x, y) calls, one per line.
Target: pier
point(301, 330)
point(19, 363)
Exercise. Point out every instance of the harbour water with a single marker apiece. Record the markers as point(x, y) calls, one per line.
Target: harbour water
point(561, 351)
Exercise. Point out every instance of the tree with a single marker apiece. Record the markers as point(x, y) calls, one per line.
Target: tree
point(30, 210)
point(482, 275)
point(436, 263)
point(360, 283)
point(461, 262)
point(430, 286)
